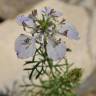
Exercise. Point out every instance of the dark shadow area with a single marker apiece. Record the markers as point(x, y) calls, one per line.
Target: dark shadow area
point(2, 20)
point(16, 7)
point(3, 94)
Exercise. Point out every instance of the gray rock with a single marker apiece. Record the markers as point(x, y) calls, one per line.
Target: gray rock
point(11, 8)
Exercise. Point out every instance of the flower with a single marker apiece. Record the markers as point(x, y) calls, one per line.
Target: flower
point(46, 10)
point(24, 20)
point(25, 46)
point(45, 30)
point(68, 30)
point(56, 52)
point(51, 12)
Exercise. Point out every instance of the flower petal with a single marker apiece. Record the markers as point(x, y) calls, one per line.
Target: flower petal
point(25, 46)
point(57, 14)
point(51, 12)
point(69, 31)
point(46, 10)
point(40, 38)
point(56, 53)
point(26, 20)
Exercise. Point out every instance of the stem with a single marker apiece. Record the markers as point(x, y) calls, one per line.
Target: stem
point(67, 66)
point(31, 85)
point(48, 59)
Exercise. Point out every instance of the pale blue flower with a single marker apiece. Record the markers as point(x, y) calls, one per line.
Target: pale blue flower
point(51, 12)
point(25, 20)
point(46, 10)
point(25, 46)
point(68, 30)
point(56, 51)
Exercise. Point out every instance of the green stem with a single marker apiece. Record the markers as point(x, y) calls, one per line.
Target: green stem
point(67, 66)
point(49, 61)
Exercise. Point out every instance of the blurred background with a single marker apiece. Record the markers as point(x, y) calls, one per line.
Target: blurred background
point(82, 13)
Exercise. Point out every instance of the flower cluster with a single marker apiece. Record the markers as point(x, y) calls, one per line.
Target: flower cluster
point(44, 30)
point(43, 43)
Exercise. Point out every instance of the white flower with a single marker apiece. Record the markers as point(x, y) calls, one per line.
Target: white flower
point(56, 52)
point(25, 20)
point(51, 12)
point(68, 30)
point(25, 46)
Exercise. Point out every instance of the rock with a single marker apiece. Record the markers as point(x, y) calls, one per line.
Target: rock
point(11, 67)
point(9, 9)
point(90, 83)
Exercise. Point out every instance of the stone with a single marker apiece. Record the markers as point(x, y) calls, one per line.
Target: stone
point(11, 67)
point(9, 9)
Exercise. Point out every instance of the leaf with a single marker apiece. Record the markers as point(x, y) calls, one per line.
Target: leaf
point(28, 69)
point(75, 75)
point(28, 62)
point(33, 69)
point(50, 62)
point(39, 74)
